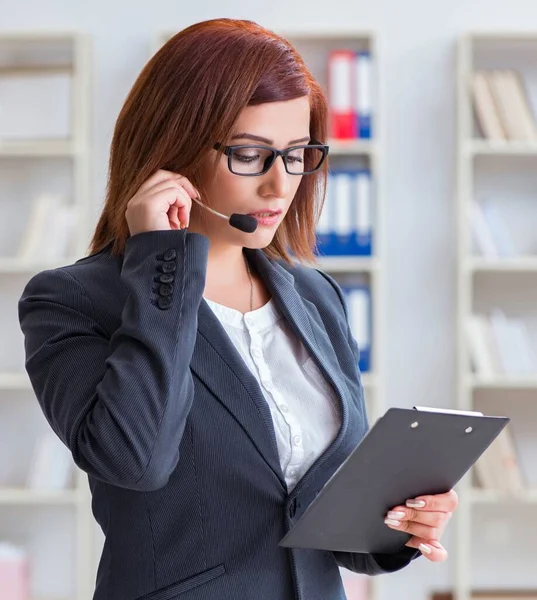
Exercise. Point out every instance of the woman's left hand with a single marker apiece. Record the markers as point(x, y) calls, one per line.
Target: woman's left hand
point(425, 518)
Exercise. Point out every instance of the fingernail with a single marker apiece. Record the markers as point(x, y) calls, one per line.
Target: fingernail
point(395, 514)
point(415, 503)
point(426, 549)
point(392, 522)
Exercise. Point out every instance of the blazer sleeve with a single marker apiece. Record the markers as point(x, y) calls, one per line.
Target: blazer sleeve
point(375, 563)
point(119, 402)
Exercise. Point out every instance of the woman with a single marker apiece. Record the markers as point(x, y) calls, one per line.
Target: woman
point(204, 379)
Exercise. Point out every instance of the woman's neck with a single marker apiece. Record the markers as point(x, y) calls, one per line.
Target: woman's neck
point(228, 282)
point(226, 265)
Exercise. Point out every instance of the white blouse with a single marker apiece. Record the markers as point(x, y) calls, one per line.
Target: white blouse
point(305, 411)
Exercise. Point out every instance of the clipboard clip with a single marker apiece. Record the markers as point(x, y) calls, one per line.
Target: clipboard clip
point(449, 411)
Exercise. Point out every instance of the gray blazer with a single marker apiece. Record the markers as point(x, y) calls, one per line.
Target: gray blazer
point(138, 378)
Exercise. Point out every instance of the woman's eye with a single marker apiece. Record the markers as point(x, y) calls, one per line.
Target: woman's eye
point(246, 158)
point(294, 159)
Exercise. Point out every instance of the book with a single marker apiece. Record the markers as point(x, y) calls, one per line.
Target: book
point(501, 106)
point(485, 110)
point(14, 572)
point(499, 468)
point(343, 116)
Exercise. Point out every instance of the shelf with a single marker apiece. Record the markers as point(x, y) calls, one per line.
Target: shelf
point(503, 36)
point(65, 156)
point(16, 265)
point(509, 148)
point(483, 496)
point(31, 148)
point(15, 381)
point(40, 35)
point(502, 381)
point(502, 265)
point(351, 147)
point(16, 70)
point(490, 169)
point(21, 496)
point(346, 264)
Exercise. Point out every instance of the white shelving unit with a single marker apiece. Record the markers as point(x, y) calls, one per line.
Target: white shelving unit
point(314, 46)
point(493, 169)
point(33, 163)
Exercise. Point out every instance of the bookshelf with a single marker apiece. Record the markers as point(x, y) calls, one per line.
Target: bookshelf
point(45, 86)
point(360, 153)
point(497, 175)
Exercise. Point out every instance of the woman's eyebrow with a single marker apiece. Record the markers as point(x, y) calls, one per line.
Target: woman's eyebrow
point(258, 138)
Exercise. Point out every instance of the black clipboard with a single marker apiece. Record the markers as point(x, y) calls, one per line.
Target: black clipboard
point(408, 452)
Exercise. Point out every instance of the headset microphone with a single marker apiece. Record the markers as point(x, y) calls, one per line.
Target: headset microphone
point(242, 222)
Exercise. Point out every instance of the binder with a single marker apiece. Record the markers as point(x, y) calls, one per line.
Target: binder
point(358, 299)
point(343, 117)
point(363, 229)
point(345, 227)
point(363, 100)
point(407, 453)
point(345, 198)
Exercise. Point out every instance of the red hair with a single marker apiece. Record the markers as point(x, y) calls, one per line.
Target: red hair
point(191, 93)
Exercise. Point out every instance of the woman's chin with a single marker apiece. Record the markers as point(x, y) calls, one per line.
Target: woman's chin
point(258, 239)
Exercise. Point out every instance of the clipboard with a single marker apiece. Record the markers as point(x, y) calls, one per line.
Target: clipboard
point(408, 452)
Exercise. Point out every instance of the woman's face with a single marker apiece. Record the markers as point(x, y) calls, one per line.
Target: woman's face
point(276, 124)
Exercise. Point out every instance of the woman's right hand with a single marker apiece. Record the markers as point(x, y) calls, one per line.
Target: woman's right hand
point(162, 202)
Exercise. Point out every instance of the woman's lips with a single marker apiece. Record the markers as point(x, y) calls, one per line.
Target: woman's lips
point(267, 218)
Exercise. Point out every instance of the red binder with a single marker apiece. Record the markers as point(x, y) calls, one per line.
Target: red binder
point(341, 83)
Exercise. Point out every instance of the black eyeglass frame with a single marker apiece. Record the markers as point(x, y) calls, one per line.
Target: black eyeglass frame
point(228, 151)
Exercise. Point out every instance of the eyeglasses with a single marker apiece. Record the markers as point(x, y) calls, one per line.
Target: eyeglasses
point(251, 160)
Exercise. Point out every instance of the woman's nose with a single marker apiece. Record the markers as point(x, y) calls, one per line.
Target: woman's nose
point(276, 180)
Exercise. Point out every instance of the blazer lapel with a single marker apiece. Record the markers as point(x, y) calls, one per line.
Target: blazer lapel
point(219, 365)
point(306, 322)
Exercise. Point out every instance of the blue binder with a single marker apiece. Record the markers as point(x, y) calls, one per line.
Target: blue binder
point(358, 299)
point(346, 228)
point(364, 113)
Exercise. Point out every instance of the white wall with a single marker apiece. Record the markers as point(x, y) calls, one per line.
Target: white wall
point(417, 48)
